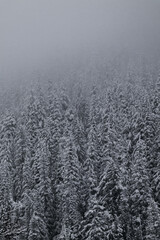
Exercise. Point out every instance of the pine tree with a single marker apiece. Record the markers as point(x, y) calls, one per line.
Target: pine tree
point(37, 229)
point(7, 156)
point(153, 221)
point(42, 191)
point(95, 223)
point(20, 151)
point(69, 185)
point(109, 193)
point(139, 194)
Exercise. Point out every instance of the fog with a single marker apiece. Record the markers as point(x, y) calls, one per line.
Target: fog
point(36, 34)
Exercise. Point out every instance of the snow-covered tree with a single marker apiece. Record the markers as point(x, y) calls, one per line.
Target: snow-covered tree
point(69, 185)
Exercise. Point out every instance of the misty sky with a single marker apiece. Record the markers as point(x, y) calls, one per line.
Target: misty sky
point(36, 32)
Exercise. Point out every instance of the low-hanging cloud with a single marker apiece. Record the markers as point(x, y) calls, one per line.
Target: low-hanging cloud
point(34, 32)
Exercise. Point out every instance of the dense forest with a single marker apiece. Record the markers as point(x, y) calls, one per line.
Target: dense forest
point(81, 161)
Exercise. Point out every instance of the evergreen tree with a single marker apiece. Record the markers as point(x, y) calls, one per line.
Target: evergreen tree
point(69, 186)
point(7, 156)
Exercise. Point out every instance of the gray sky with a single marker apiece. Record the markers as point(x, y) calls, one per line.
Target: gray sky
point(36, 32)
